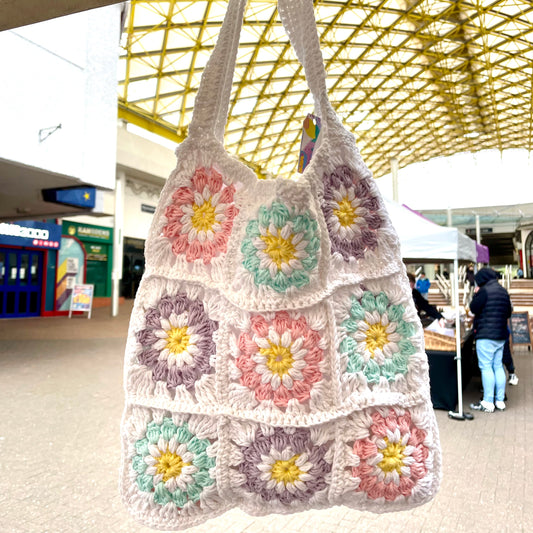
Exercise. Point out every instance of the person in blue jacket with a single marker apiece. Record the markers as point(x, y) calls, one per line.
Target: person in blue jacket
point(422, 285)
point(492, 307)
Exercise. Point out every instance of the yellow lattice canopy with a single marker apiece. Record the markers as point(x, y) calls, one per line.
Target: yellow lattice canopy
point(412, 79)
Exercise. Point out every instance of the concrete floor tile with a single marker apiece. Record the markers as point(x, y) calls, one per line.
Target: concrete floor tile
point(61, 401)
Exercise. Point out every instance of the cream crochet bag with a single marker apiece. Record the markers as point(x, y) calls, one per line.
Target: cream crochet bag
point(275, 361)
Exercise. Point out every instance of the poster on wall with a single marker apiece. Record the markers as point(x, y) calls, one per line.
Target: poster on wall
point(70, 271)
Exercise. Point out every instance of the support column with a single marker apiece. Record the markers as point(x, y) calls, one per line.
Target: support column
point(449, 221)
point(394, 174)
point(478, 230)
point(116, 275)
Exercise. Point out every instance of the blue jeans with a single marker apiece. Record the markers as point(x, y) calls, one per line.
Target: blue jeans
point(489, 356)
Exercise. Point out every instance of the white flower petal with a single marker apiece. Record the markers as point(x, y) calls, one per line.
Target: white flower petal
point(171, 484)
point(296, 264)
point(285, 232)
point(286, 268)
point(274, 337)
point(276, 381)
point(298, 354)
point(391, 328)
point(259, 244)
point(286, 339)
point(287, 381)
point(161, 344)
point(302, 461)
point(295, 374)
point(271, 484)
point(261, 342)
point(186, 457)
point(154, 450)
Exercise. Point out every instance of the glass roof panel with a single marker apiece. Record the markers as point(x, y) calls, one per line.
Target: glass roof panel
point(413, 80)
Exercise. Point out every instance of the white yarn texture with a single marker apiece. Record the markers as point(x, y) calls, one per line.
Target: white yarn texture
point(275, 361)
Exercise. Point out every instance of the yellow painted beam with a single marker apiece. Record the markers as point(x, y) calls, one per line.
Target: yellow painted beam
point(149, 124)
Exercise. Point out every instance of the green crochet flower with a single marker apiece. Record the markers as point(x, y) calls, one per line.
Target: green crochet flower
point(281, 247)
point(377, 342)
point(172, 463)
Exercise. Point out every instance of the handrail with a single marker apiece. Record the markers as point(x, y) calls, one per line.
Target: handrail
point(444, 286)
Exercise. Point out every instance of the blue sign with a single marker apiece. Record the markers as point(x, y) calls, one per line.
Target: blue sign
point(31, 234)
point(75, 196)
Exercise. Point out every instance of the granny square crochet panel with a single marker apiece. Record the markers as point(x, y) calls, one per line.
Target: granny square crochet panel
point(275, 360)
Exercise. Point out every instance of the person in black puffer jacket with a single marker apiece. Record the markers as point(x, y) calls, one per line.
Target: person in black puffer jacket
point(492, 307)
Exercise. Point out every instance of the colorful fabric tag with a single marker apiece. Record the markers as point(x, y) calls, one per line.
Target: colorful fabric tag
point(310, 131)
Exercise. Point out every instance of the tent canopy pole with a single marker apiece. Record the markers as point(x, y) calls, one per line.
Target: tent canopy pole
point(459, 414)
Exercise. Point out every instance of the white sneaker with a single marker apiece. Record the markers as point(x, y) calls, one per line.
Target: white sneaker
point(500, 406)
point(513, 379)
point(487, 407)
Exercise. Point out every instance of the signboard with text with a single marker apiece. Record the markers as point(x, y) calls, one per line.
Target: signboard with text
point(31, 234)
point(81, 299)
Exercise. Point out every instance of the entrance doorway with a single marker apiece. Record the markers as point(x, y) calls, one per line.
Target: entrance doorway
point(132, 266)
point(21, 276)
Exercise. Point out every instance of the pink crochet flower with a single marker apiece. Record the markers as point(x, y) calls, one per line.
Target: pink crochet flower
point(280, 358)
point(392, 458)
point(200, 218)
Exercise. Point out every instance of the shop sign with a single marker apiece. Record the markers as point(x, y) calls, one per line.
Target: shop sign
point(86, 232)
point(145, 208)
point(75, 196)
point(31, 234)
point(96, 252)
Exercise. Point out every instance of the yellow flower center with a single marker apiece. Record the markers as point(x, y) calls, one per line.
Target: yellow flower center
point(177, 339)
point(286, 471)
point(278, 358)
point(376, 337)
point(392, 457)
point(345, 213)
point(203, 218)
point(170, 465)
point(279, 249)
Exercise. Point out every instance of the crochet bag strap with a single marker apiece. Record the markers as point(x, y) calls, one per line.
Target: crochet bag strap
point(212, 101)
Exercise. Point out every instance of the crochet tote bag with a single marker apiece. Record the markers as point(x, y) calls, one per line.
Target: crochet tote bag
point(275, 361)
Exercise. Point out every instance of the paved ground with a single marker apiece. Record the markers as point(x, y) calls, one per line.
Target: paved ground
point(60, 408)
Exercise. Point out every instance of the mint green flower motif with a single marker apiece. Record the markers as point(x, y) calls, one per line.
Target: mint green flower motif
point(377, 342)
point(281, 247)
point(172, 463)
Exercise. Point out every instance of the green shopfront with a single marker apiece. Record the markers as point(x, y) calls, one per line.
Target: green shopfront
point(98, 244)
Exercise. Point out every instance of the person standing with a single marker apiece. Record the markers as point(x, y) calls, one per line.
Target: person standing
point(422, 285)
point(427, 312)
point(492, 307)
point(470, 284)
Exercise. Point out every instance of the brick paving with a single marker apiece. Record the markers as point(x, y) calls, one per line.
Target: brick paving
point(60, 406)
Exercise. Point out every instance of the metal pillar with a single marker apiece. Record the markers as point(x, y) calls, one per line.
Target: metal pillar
point(116, 274)
point(394, 174)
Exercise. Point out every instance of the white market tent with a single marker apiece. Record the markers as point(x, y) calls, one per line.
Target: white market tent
point(420, 240)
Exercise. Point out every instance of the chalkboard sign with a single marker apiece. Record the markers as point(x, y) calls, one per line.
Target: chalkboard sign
point(520, 333)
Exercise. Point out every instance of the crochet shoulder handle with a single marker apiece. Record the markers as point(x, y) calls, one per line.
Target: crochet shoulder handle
point(212, 101)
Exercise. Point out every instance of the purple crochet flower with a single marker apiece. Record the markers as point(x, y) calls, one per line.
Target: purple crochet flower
point(285, 466)
point(177, 341)
point(350, 209)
